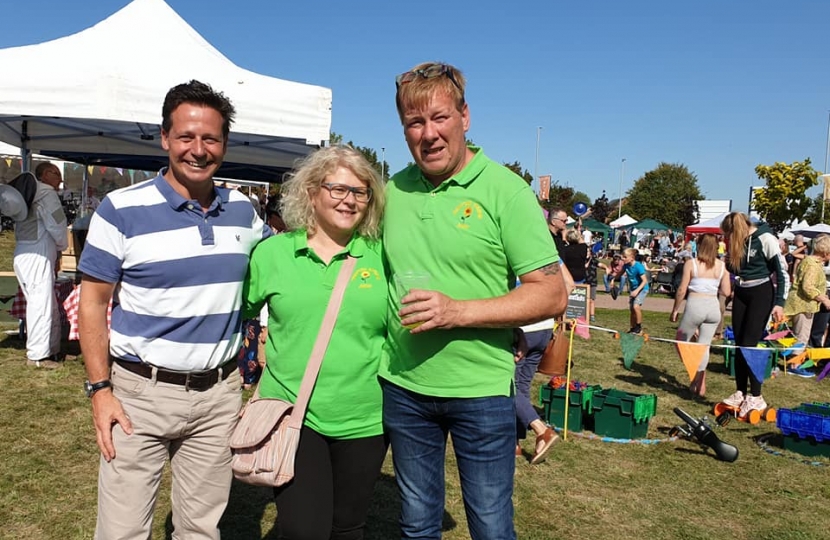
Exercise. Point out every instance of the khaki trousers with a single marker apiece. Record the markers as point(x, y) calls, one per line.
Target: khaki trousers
point(189, 427)
point(802, 326)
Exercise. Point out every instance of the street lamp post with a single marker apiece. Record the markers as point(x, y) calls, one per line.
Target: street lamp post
point(382, 163)
point(536, 166)
point(622, 173)
point(824, 176)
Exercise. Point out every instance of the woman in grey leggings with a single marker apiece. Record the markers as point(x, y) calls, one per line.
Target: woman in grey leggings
point(704, 277)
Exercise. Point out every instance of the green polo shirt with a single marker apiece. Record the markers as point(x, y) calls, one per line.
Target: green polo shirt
point(296, 284)
point(473, 234)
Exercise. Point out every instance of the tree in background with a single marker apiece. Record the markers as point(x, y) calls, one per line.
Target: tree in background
point(784, 198)
point(667, 194)
point(601, 208)
point(369, 153)
point(813, 215)
point(516, 167)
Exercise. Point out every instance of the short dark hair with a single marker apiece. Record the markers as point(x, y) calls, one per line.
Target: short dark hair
point(41, 169)
point(201, 94)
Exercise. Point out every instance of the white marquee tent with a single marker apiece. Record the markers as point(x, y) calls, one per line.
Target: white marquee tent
point(95, 97)
point(623, 221)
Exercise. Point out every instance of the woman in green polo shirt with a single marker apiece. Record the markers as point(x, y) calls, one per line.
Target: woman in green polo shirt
point(332, 206)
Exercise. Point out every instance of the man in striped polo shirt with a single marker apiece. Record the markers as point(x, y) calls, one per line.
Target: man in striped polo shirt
point(163, 383)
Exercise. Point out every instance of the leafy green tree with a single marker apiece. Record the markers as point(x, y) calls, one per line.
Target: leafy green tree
point(516, 167)
point(784, 198)
point(813, 215)
point(667, 194)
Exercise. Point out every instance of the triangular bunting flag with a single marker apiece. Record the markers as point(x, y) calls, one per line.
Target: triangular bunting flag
point(631, 345)
point(120, 170)
point(692, 354)
point(757, 360)
point(819, 354)
point(89, 169)
point(797, 359)
point(808, 364)
point(787, 341)
point(8, 162)
point(777, 335)
point(581, 329)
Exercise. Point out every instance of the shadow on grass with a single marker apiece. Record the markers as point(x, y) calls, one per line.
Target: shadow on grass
point(243, 518)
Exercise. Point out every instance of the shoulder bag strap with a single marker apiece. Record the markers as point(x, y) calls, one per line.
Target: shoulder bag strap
point(322, 343)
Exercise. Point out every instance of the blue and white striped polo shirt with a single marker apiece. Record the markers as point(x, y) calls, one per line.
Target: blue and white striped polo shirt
point(178, 270)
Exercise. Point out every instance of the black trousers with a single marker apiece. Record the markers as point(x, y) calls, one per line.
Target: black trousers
point(820, 321)
point(333, 483)
point(751, 309)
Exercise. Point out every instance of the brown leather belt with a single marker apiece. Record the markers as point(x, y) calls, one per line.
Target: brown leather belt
point(194, 380)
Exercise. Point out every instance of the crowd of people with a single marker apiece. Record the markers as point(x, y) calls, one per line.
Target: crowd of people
point(406, 367)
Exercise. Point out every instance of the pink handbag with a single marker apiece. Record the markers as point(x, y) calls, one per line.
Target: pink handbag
point(264, 443)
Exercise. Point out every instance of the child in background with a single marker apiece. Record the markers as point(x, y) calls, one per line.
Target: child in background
point(637, 277)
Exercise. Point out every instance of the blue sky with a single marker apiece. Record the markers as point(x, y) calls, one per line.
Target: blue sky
point(718, 86)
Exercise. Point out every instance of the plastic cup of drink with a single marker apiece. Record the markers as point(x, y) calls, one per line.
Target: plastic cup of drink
point(407, 281)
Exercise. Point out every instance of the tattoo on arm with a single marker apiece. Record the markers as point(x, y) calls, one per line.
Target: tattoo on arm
point(551, 269)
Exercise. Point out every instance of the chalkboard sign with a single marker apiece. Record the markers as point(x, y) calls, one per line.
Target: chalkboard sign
point(578, 302)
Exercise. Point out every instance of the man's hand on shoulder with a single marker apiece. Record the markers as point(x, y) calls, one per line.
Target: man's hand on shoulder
point(106, 412)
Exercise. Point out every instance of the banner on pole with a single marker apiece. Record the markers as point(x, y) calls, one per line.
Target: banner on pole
point(544, 187)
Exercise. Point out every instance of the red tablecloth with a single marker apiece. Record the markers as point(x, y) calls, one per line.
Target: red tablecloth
point(63, 289)
point(70, 305)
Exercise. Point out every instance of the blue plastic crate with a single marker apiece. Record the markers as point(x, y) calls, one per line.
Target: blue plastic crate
point(805, 421)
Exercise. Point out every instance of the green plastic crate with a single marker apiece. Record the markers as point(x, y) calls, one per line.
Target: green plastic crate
point(622, 415)
point(579, 413)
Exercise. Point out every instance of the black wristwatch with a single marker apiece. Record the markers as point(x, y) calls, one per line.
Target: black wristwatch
point(91, 388)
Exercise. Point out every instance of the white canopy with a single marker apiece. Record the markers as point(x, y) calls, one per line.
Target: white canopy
point(813, 230)
point(96, 96)
point(623, 221)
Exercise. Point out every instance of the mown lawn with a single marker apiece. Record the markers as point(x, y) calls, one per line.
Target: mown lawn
point(586, 488)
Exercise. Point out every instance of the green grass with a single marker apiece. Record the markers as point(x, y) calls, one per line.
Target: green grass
point(585, 488)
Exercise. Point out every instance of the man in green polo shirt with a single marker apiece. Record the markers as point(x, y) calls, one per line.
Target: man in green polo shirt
point(471, 227)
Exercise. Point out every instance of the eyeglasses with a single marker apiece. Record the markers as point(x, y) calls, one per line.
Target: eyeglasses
point(429, 72)
point(341, 191)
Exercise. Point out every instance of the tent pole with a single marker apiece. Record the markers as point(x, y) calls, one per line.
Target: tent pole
point(84, 188)
point(25, 153)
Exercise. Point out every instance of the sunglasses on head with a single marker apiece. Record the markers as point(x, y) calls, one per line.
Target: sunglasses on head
point(429, 72)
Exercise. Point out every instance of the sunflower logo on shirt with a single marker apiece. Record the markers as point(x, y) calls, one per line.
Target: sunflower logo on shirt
point(365, 276)
point(465, 212)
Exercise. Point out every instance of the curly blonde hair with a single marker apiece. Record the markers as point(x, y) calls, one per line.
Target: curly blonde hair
point(311, 172)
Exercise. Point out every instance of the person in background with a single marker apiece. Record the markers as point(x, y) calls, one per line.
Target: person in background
point(537, 336)
point(753, 256)
point(575, 255)
point(39, 241)
point(623, 241)
point(809, 290)
point(636, 276)
point(788, 257)
point(611, 271)
point(557, 225)
point(164, 382)
point(333, 204)
point(798, 253)
point(704, 279)
point(448, 365)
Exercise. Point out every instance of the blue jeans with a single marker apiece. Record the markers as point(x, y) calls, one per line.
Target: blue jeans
point(484, 438)
point(525, 371)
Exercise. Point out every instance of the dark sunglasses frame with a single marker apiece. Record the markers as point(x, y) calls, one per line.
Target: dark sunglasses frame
point(429, 72)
